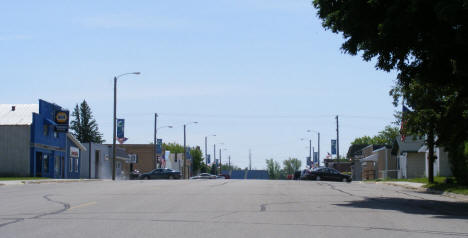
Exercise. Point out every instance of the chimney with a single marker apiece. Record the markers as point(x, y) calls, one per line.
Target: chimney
point(13, 108)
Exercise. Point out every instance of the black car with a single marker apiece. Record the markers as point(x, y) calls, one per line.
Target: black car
point(161, 174)
point(327, 174)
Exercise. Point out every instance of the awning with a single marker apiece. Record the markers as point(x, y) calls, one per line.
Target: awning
point(370, 158)
point(50, 122)
point(76, 142)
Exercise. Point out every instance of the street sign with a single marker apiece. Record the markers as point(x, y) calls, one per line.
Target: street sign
point(333, 147)
point(132, 159)
point(61, 119)
point(120, 128)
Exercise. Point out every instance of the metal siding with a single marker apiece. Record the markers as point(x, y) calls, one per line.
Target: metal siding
point(15, 150)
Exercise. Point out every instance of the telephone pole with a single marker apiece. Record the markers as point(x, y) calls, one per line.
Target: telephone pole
point(220, 163)
point(250, 159)
point(155, 141)
point(337, 139)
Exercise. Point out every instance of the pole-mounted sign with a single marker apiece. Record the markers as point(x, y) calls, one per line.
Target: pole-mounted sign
point(61, 119)
point(333, 147)
point(120, 131)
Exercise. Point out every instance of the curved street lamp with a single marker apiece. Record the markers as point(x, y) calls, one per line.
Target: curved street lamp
point(206, 148)
point(214, 150)
point(115, 119)
point(318, 144)
point(185, 149)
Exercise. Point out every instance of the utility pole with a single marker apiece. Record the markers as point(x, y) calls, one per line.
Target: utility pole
point(337, 139)
point(313, 153)
point(156, 162)
point(318, 151)
point(214, 154)
point(220, 163)
point(206, 150)
point(250, 159)
point(310, 151)
point(114, 128)
point(229, 162)
point(184, 156)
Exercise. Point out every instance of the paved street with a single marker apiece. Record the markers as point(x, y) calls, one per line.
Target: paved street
point(226, 208)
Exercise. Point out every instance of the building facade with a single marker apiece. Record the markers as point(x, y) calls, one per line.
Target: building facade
point(34, 141)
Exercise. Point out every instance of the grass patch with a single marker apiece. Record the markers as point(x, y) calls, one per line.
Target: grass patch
point(21, 178)
point(448, 187)
point(439, 184)
point(413, 180)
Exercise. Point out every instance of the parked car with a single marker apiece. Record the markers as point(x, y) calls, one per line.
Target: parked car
point(204, 176)
point(135, 174)
point(161, 174)
point(327, 174)
point(226, 176)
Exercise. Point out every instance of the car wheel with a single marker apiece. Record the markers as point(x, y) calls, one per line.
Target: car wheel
point(145, 178)
point(171, 177)
point(345, 180)
point(317, 178)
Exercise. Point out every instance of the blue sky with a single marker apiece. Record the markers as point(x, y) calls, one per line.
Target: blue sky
point(257, 73)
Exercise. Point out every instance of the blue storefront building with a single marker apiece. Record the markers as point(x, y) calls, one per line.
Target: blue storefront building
point(51, 151)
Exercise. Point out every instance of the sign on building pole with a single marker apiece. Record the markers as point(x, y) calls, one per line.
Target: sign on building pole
point(333, 147)
point(121, 131)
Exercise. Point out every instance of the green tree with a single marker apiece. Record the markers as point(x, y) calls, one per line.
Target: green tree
point(226, 167)
point(273, 168)
point(197, 159)
point(83, 125)
point(384, 137)
point(426, 42)
point(291, 165)
point(173, 147)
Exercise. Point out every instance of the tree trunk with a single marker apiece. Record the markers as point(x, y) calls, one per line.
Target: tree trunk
point(430, 145)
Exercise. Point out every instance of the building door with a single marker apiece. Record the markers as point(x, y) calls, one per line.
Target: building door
point(38, 164)
point(96, 164)
point(62, 165)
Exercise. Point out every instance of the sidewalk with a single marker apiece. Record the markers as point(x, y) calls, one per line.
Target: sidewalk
point(40, 181)
point(420, 187)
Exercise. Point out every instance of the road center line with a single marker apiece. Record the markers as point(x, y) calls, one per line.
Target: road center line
point(83, 205)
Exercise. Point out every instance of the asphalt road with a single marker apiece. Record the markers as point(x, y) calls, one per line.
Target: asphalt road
point(226, 208)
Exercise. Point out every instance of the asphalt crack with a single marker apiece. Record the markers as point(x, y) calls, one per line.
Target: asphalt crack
point(65, 207)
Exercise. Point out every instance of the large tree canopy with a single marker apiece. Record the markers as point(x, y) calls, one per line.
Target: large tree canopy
point(384, 137)
point(426, 42)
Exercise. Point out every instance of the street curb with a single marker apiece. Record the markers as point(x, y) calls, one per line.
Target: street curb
point(429, 190)
point(22, 182)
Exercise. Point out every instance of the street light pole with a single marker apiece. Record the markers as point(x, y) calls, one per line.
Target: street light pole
point(114, 130)
point(318, 145)
point(115, 121)
point(185, 150)
point(184, 156)
point(155, 161)
point(206, 149)
point(310, 150)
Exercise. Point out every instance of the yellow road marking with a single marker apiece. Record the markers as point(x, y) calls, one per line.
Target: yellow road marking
point(83, 205)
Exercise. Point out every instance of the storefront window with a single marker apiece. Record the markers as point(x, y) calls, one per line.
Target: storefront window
point(77, 163)
point(70, 164)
